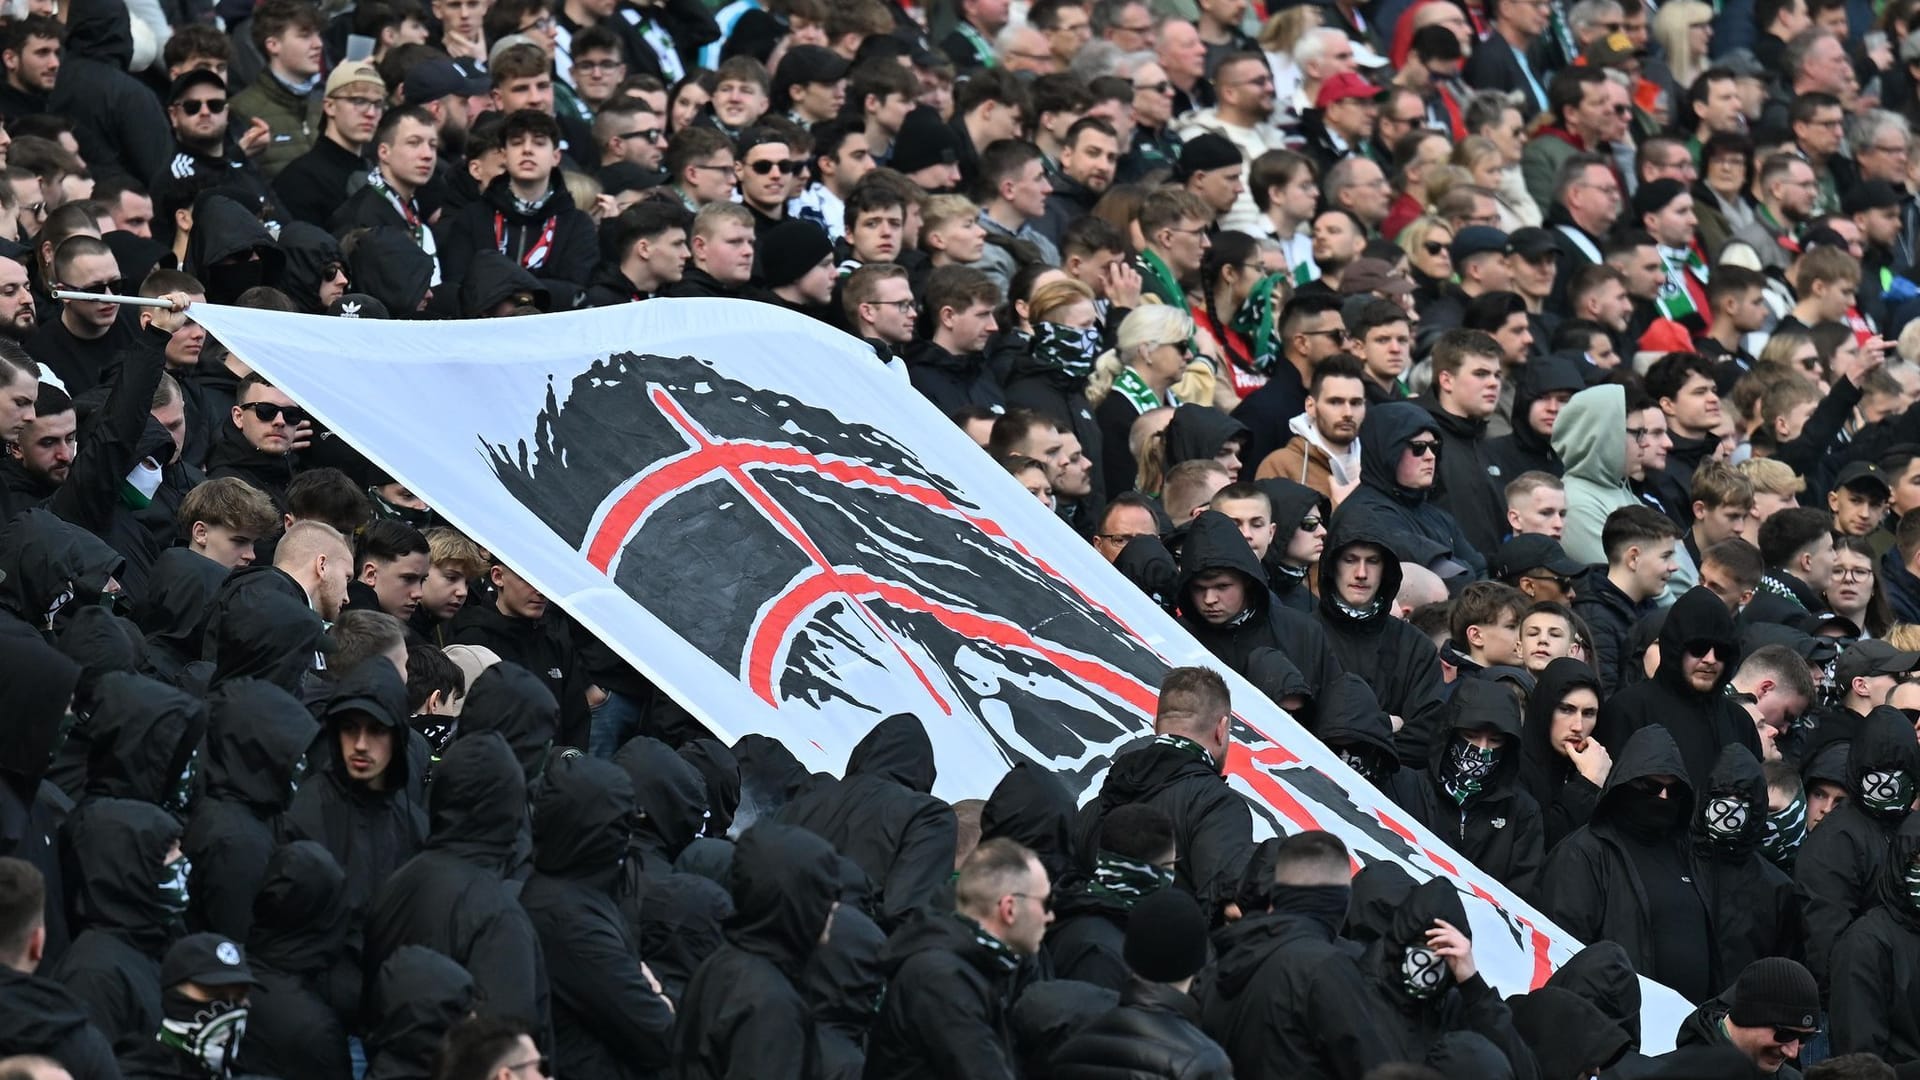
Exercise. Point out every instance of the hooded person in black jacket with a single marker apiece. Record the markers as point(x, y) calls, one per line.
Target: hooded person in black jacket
point(1546, 382)
point(1603, 975)
point(257, 740)
point(744, 1014)
point(1225, 604)
point(1630, 877)
point(510, 700)
point(174, 609)
point(1875, 999)
point(50, 570)
point(721, 770)
point(1135, 860)
point(1838, 861)
point(1687, 692)
point(844, 981)
point(882, 817)
point(1423, 982)
point(298, 931)
point(1755, 910)
point(127, 902)
point(389, 266)
point(454, 896)
point(1568, 1034)
point(38, 1015)
point(1395, 496)
point(1288, 999)
point(494, 281)
point(141, 738)
point(610, 1020)
point(1473, 797)
point(1351, 723)
point(266, 636)
point(670, 803)
point(1292, 504)
point(680, 925)
point(1204, 433)
point(37, 683)
point(1031, 807)
point(311, 252)
point(1359, 579)
point(229, 250)
point(1561, 713)
point(416, 996)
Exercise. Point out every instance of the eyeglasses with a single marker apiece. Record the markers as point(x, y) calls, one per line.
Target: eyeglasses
point(1161, 87)
point(1423, 447)
point(649, 134)
point(1046, 902)
point(364, 104)
point(1121, 538)
point(267, 412)
point(1338, 335)
point(1855, 573)
point(764, 166)
point(592, 67)
point(904, 307)
point(713, 168)
point(544, 22)
point(192, 106)
point(1639, 434)
point(1434, 247)
point(1146, 29)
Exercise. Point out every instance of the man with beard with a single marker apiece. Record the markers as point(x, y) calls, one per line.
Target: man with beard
point(1311, 332)
point(16, 301)
point(1087, 158)
point(1244, 86)
point(1338, 239)
point(82, 343)
point(439, 86)
point(1788, 191)
point(1324, 453)
point(313, 185)
point(204, 143)
point(1685, 694)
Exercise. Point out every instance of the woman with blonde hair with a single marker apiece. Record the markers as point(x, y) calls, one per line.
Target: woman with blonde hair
point(1428, 241)
point(1487, 164)
point(1684, 29)
point(1278, 37)
point(1135, 377)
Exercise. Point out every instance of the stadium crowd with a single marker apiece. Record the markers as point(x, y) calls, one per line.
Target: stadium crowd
point(1521, 393)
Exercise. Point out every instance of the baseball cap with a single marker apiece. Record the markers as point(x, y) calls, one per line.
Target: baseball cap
point(1373, 275)
point(1862, 476)
point(1528, 551)
point(190, 79)
point(438, 77)
point(1478, 240)
point(353, 73)
point(1869, 195)
point(1874, 657)
point(207, 959)
point(1612, 49)
point(1532, 242)
point(1343, 86)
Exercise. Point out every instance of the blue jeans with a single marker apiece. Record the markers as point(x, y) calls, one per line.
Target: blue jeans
point(615, 720)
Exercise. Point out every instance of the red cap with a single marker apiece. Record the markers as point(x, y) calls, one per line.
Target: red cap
point(1342, 86)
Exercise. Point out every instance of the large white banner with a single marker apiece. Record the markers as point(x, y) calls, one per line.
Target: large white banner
point(789, 540)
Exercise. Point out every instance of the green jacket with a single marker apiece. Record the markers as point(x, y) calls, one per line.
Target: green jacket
point(1590, 437)
point(294, 119)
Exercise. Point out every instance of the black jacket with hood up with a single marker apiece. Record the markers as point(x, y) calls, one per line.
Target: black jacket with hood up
point(1566, 797)
point(1701, 722)
point(608, 1023)
point(454, 897)
point(1835, 869)
point(114, 853)
point(309, 250)
point(1526, 450)
point(1292, 502)
point(174, 609)
point(1756, 912)
point(1875, 1002)
point(1594, 885)
point(843, 984)
point(416, 996)
point(224, 232)
point(671, 800)
point(1214, 543)
point(1419, 528)
point(1398, 661)
point(744, 1013)
point(50, 568)
point(140, 738)
point(257, 739)
point(37, 683)
point(1466, 478)
point(297, 933)
point(1499, 828)
point(882, 817)
point(1199, 433)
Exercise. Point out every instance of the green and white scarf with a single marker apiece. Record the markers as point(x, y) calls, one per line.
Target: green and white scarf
point(1128, 384)
point(1675, 301)
point(982, 48)
point(1255, 321)
point(1165, 285)
point(1117, 877)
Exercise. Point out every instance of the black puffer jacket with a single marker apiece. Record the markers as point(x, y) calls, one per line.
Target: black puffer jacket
point(1876, 966)
point(1498, 827)
point(744, 1014)
point(1398, 661)
point(1154, 1033)
point(1702, 722)
point(114, 856)
point(843, 984)
point(882, 817)
point(1756, 912)
point(1419, 528)
point(298, 933)
point(1214, 543)
point(1565, 796)
point(417, 995)
point(1212, 824)
point(608, 1023)
point(174, 610)
point(1840, 859)
point(945, 1013)
point(257, 741)
point(453, 896)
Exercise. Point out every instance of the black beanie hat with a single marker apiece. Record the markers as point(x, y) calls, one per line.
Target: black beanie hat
point(1775, 992)
point(790, 249)
point(1654, 195)
point(1166, 937)
point(923, 141)
point(1208, 151)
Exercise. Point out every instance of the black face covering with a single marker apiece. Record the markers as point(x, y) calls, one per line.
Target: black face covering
point(1646, 814)
point(227, 280)
point(1324, 904)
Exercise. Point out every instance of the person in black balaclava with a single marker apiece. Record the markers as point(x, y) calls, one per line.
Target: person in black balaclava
point(721, 770)
point(1350, 721)
point(257, 740)
point(454, 896)
point(1875, 1002)
point(1031, 807)
point(1288, 999)
point(1836, 866)
point(1423, 982)
point(513, 701)
point(1686, 695)
point(770, 778)
point(1135, 859)
point(680, 922)
point(299, 931)
point(671, 801)
point(206, 1004)
point(1568, 1034)
point(1629, 876)
point(127, 891)
point(843, 984)
point(883, 818)
point(141, 742)
point(1359, 579)
point(229, 251)
point(1755, 911)
point(414, 998)
point(1561, 765)
point(1473, 795)
point(1603, 974)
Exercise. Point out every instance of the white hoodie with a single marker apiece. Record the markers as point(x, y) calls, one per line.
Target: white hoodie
point(1345, 467)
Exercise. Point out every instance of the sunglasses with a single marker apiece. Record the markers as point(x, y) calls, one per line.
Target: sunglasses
point(1700, 650)
point(116, 287)
point(1309, 523)
point(1434, 247)
point(1423, 447)
point(763, 166)
point(649, 134)
point(1046, 902)
point(266, 412)
point(1338, 334)
point(1647, 785)
point(191, 106)
point(1563, 582)
point(1786, 1035)
point(1161, 87)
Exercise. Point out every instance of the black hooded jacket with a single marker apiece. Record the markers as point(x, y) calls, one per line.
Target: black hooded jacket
point(1214, 543)
point(496, 224)
point(1567, 1032)
point(1603, 975)
point(1564, 795)
point(493, 278)
point(37, 683)
point(390, 266)
point(140, 739)
point(945, 1013)
point(1838, 861)
point(416, 996)
point(882, 817)
point(843, 984)
point(39, 1016)
point(1634, 883)
point(680, 925)
point(50, 568)
point(1875, 1002)
point(224, 231)
point(1212, 824)
point(1526, 450)
point(309, 250)
point(671, 800)
point(298, 932)
point(453, 896)
point(1292, 503)
point(1756, 912)
point(1419, 528)
point(114, 854)
point(1198, 433)
point(257, 739)
point(1031, 807)
point(1288, 1000)
point(1499, 827)
point(264, 635)
point(1350, 721)
point(516, 703)
point(1465, 479)
point(174, 609)
point(608, 1023)
point(1154, 1032)
point(1701, 722)
point(744, 1013)
point(1398, 661)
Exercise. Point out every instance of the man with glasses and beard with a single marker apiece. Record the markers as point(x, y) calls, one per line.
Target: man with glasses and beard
point(1311, 331)
point(16, 301)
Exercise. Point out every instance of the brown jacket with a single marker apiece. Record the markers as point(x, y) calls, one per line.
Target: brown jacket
point(1302, 463)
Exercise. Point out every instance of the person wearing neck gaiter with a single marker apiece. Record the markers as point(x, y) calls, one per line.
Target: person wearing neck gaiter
point(1473, 798)
point(1628, 876)
point(1136, 859)
point(1288, 999)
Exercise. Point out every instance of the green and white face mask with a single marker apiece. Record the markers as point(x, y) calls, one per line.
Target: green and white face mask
point(1725, 817)
point(1886, 791)
point(1786, 827)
